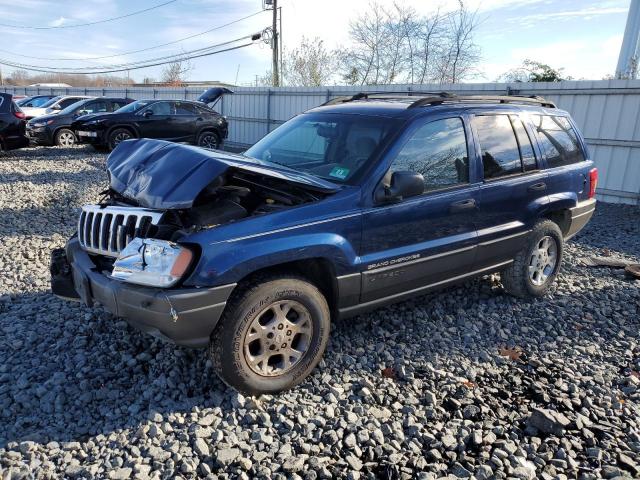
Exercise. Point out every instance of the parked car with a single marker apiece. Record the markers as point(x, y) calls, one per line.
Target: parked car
point(56, 129)
point(356, 204)
point(174, 120)
point(12, 124)
point(34, 101)
point(53, 106)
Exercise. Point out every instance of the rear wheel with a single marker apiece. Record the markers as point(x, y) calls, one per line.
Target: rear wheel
point(118, 136)
point(271, 336)
point(536, 266)
point(209, 140)
point(65, 138)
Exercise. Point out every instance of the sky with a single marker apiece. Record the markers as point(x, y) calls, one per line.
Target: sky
point(581, 36)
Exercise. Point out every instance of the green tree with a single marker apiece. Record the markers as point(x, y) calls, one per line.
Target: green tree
point(533, 71)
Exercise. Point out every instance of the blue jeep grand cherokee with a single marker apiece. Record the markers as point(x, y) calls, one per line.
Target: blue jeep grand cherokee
point(361, 202)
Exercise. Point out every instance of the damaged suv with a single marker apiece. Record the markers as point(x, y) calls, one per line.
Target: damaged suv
point(364, 201)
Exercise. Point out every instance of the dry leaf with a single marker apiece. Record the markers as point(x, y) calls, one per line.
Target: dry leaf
point(469, 384)
point(512, 353)
point(389, 373)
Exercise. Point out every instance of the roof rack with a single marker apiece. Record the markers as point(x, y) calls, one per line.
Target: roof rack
point(382, 94)
point(438, 98)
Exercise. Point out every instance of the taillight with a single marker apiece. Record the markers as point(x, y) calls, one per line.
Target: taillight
point(593, 181)
point(20, 115)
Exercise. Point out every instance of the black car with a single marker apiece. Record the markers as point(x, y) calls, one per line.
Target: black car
point(55, 129)
point(174, 120)
point(12, 124)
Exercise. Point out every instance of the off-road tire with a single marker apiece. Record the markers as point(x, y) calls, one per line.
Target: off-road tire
point(515, 278)
point(115, 137)
point(209, 139)
point(63, 136)
point(227, 347)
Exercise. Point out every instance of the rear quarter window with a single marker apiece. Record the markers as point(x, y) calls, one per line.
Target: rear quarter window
point(558, 140)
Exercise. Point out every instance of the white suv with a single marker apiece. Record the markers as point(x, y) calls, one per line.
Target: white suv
point(53, 106)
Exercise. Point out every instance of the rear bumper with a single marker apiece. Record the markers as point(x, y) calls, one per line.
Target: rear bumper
point(197, 310)
point(579, 216)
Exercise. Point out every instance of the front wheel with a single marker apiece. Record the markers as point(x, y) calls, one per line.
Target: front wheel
point(536, 266)
point(65, 138)
point(209, 140)
point(271, 336)
point(118, 136)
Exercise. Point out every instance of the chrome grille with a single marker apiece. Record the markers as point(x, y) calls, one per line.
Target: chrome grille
point(107, 230)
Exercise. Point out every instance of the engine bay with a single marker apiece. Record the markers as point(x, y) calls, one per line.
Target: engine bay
point(228, 198)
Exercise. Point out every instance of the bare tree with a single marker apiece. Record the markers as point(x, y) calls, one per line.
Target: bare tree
point(397, 45)
point(174, 74)
point(24, 78)
point(463, 54)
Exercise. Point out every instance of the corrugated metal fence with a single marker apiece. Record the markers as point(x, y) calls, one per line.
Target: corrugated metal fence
point(607, 112)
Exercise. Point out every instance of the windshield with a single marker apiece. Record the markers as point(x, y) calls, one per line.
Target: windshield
point(328, 145)
point(32, 102)
point(50, 102)
point(132, 107)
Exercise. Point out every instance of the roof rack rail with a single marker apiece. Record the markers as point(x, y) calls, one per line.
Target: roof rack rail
point(518, 99)
point(382, 94)
point(437, 98)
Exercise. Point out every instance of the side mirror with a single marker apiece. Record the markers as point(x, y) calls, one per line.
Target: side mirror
point(147, 113)
point(56, 107)
point(403, 184)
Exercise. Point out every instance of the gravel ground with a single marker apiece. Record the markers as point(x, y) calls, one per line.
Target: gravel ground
point(467, 382)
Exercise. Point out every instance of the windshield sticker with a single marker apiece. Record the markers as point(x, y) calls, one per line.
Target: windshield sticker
point(339, 172)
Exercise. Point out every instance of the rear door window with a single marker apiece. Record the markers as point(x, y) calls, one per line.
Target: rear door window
point(185, 109)
point(116, 104)
point(95, 107)
point(558, 140)
point(498, 144)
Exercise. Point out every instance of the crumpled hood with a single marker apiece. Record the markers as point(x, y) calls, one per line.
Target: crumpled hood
point(165, 175)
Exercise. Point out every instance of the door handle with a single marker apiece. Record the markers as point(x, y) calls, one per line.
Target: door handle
point(537, 187)
point(462, 205)
point(199, 119)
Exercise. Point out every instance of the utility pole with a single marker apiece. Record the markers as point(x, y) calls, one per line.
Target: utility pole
point(628, 59)
point(274, 45)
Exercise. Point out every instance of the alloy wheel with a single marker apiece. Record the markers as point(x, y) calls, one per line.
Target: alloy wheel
point(209, 141)
point(278, 338)
point(120, 137)
point(66, 139)
point(543, 260)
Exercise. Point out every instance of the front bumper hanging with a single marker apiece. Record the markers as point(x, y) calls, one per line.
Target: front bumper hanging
point(185, 316)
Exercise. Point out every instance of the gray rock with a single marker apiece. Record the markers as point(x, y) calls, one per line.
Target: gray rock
point(548, 421)
point(227, 456)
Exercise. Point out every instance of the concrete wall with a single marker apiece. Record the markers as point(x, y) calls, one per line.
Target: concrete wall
point(607, 112)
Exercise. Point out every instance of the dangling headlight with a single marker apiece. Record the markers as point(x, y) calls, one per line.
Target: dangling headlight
point(151, 262)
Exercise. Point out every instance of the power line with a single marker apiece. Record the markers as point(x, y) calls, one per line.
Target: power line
point(172, 57)
point(29, 27)
point(141, 50)
point(115, 70)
